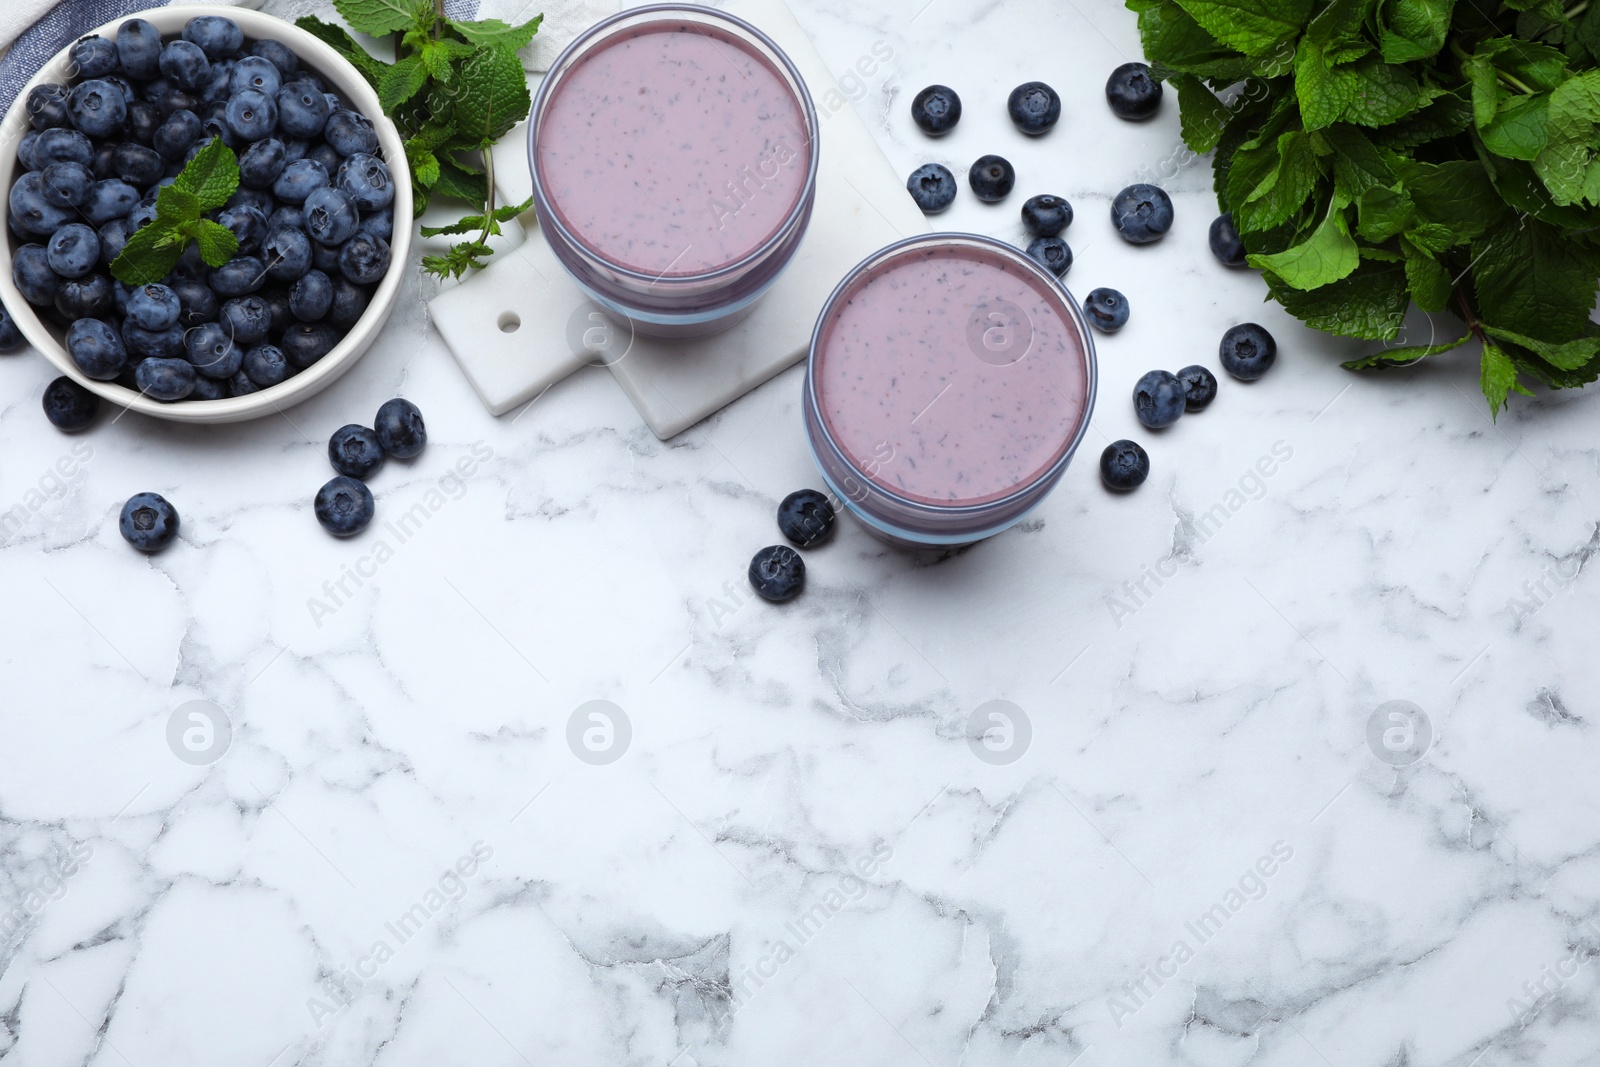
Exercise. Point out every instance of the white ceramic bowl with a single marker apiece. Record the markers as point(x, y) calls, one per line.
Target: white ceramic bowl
point(341, 78)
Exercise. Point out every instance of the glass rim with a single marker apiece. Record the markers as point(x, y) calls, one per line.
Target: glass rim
point(1074, 315)
point(558, 70)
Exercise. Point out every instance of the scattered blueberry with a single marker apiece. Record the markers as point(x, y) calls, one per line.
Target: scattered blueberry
point(1034, 107)
point(69, 406)
point(1124, 465)
point(343, 506)
point(1142, 213)
point(354, 450)
point(1106, 310)
point(1225, 242)
point(1046, 215)
point(805, 517)
point(933, 187)
point(1132, 92)
point(777, 573)
point(148, 522)
point(1158, 399)
point(1052, 253)
point(400, 429)
point(1199, 387)
point(1247, 351)
point(992, 178)
point(936, 110)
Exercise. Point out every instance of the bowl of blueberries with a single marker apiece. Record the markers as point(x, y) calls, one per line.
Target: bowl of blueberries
point(321, 213)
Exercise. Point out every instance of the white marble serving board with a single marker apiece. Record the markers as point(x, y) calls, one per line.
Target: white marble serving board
point(521, 325)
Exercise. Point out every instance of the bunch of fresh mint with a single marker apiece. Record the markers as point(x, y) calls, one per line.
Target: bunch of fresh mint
point(453, 89)
point(1377, 152)
point(205, 184)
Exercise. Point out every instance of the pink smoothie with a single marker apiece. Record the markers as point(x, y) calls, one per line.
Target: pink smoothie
point(673, 149)
point(949, 375)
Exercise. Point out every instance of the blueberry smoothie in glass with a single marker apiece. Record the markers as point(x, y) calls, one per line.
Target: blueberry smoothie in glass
point(949, 381)
point(674, 159)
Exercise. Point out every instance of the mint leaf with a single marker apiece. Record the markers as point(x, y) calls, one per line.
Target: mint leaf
point(457, 183)
point(438, 56)
point(401, 82)
point(217, 243)
point(1446, 116)
point(1431, 285)
point(1404, 357)
point(1329, 254)
point(176, 205)
point(492, 96)
point(1520, 129)
point(1201, 115)
point(1280, 192)
point(1369, 303)
point(1173, 39)
point(1357, 163)
point(1497, 377)
point(1323, 94)
point(340, 41)
point(211, 176)
point(380, 17)
point(424, 164)
point(1250, 26)
point(149, 256)
point(1457, 194)
point(1380, 93)
point(1383, 213)
point(1568, 355)
point(1412, 29)
point(1567, 165)
point(1531, 279)
point(492, 33)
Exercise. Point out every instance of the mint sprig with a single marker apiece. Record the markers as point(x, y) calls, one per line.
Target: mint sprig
point(1379, 153)
point(454, 88)
point(205, 184)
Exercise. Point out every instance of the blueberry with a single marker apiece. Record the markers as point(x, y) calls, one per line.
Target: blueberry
point(933, 187)
point(1158, 399)
point(25, 149)
point(73, 250)
point(325, 258)
point(1034, 107)
point(196, 302)
point(174, 99)
point(211, 350)
point(287, 253)
point(142, 215)
point(247, 224)
point(69, 406)
point(31, 274)
point(123, 85)
point(209, 388)
point(152, 344)
point(936, 110)
point(1247, 351)
point(109, 200)
point(1142, 213)
point(254, 72)
point(94, 57)
point(298, 180)
point(33, 210)
point(308, 81)
point(805, 517)
point(354, 451)
point(258, 200)
point(331, 216)
point(1132, 93)
point(381, 223)
point(148, 522)
point(48, 107)
point(10, 334)
point(400, 429)
point(185, 65)
point(87, 297)
point(350, 133)
point(1225, 242)
point(1046, 215)
point(294, 148)
point(143, 121)
point(241, 385)
point(113, 238)
point(335, 105)
point(1052, 253)
point(287, 216)
point(278, 54)
point(220, 37)
point(174, 137)
point(1199, 387)
point(304, 343)
point(311, 296)
point(349, 302)
point(277, 299)
point(302, 109)
point(1124, 465)
point(1106, 310)
point(165, 378)
point(214, 126)
point(247, 319)
point(343, 506)
point(219, 82)
point(364, 259)
point(62, 146)
point(238, 276)
point(139, 49)
point(96, 349)
point(66, 184)
point(365, 179)
point(136, 164)
point(323, 153)
point(153, 307)
point(265, 365)
point(777, 573)
point(251, 114)
point(991, 178)
point(104, 165)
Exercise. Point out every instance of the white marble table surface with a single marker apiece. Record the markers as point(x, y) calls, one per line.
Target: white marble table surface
point(1196, 858)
